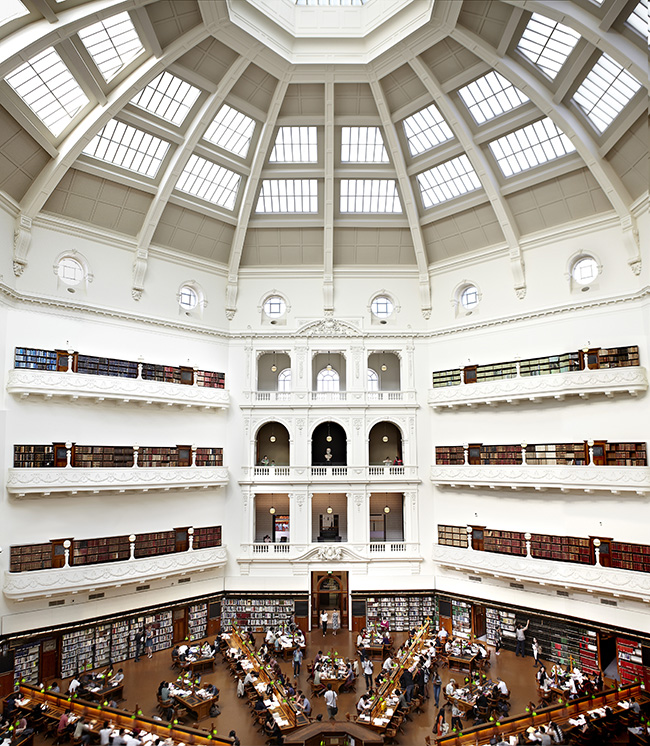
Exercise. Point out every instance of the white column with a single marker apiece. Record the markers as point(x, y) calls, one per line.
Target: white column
point(358, 517)
point(356, 365)
point(411, 532)
point(300, 369)
point(300, 517)
point(248, 516)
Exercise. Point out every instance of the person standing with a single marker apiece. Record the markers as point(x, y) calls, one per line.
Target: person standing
point(323, 622)
point(139, 643)
point(148, 641)
point(331, 698)
point(336, 621)
point(521, 639)
point(297, 661)
point(498, 640)
point(437, 685)
point(368, 670)
point(537, 648)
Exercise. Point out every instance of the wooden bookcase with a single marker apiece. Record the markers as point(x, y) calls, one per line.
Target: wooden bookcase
point(452, 455)
point(207, 536)
point(106, 549)
point(561, 548)
point(452, 536)
point(504, 542)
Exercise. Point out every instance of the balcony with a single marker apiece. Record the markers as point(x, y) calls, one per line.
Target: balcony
point(582, 383)
point(347, 474)
point(566, 575)
point(95, 389)
point(24, 586)
point(329, 398)
point(66, 481)
point(611, 479)
point(303, 555)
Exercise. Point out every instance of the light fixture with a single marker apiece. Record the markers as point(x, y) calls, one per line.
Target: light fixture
point(274, 367)
point(387, 510)
point(597, 542)
point(329, 435)
point(272, 437)
point(330, 510)
point(385, 438)
point(384, 367)
point(272, 511)
point(329, 365)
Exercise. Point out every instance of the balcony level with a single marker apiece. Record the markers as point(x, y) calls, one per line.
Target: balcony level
point(542, 572)
point(93, 389)
point(62, 581)
point(339, 474)
point(329, 398)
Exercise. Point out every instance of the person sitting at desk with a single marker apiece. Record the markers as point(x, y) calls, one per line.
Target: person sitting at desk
point(74, 685)
point(304, 704)
point(118, 678)
point(360, 638)
point(105, 734)
point(21, 728)
point(364, 704)
point(249, 679)
point(450, 689)
point(64, 723)
point(319, 687)
point(132, 739)
point(388, 664)
point(54, 688)
point(82, 731)
point(259, 705)
point(270, 636)
point(119, 739)
point(502, 687)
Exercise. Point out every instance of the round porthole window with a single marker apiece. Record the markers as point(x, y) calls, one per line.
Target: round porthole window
point(70, 271)
point(275, 307)
point(382, 307)
point(585, 270)
point(188, 298)
point(469, 297)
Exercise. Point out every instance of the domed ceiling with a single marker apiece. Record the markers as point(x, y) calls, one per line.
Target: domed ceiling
point(256, 133)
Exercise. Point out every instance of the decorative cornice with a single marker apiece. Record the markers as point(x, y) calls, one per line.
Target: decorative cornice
point(590, 578)
point(45, 482)
point(328, 327)
point(24, 382)
point(66, 580)
point(608, 381)
point(611, 479)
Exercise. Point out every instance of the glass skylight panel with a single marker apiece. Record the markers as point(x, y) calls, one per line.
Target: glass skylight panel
point(167, 97)
point(448, 181)
point(530, 146)
point(369, 195)
point(604, 93)
point(128, 147)
point(362, 145)
point(231, 130)
point(288, 195)
point(11, 9)
point(50, 90)
point(210, 182)
point(638, 18)
point(112, 44)
point(547, 44)
point(295, 145)
point(491, 96)
point(426, 129)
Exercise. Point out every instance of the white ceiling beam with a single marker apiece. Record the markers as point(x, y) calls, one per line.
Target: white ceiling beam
point(72, 146)
point(481, 165)
point(41, 6)
point(617, 46)
point(573, 128)
point(178, 161)
point(328, 201)
point(407, 194)
point(250, 192)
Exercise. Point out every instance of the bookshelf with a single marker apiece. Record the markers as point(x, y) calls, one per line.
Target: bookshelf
point(495, 455)
point(30, 557)
point(255, 614)
point(452, 536)
point(626, 454)
point(161, 373)
point(207, 536)
point(119, 640)
point(561, 548)
point(136, 624)
point(495, 372)
point(446, 378)
point(461, 619)
point(629, 657)
point(105, 366)
point(629, 556)
point(499, 619)
point(209, 457)
point(102, 645)
point(451, 455)
point(197, 622)
point(36, 457)
point(618, 357)
point(544, 366)
point(504, 542)
point(106, 549)
point(150, 545)
point(210, 379)
point(102, 457)
point(403, 612)
point(162, 627)
point(77, 651)
point(108, 457)
point(26, 664)
point(26, 357)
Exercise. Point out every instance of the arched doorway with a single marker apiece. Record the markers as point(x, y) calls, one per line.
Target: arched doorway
point(272, 445)
point(385, 444)
point(329, 435)
point(329, 591)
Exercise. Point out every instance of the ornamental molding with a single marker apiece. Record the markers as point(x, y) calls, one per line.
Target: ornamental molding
point(589, 578)
point(70, 580)
point(611, 479)
point(24, 382)
point(329, 327)
point(583, 383)
point(56, 482)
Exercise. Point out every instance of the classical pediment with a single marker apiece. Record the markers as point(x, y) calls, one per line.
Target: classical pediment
point(328, 327)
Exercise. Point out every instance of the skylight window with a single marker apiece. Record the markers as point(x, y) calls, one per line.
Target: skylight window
point(112, 44)
point(448, 181)
point(167, 97)
point(426, 129)
point(295, 145)
point(604, 93)
point(369, 195)
point(530, 146)
point(362, 145)
point(50, 90)
point(11, 9)
point(638, 18)
point(210, 182)
point(547, 44)
point(288, 195)
point(490, 96)
point(231, 130)
point(128, 147)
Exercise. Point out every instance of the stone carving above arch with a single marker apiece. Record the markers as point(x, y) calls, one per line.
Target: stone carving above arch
point(328, 327)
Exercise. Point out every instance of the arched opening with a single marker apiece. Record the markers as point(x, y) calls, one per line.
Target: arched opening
point(329, 445)
point(270, 365)
point(373, 380)
point(328, 380)
point(272, 445)
point(385, 445)
point(387, 366)
point(284, 380)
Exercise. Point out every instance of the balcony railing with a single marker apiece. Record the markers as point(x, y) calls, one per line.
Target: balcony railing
point(590, 578)
point(23, 586)
point(94, 388)
point(611, 479)
point(347, 551)
point(582, 383)
point(335, 473)
point(350, 398)
point(43, 482)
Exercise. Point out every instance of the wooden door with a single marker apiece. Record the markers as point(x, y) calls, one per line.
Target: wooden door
point(61, 455)
point(184, 455)
point(49, 659)
point(469, 374)
point(182, 543)
point(444, 614)
point(58, 552)
point(599, 452)
point(187, 375)
point(214, 618)
point(62, 360)
point(474, 453)
point(478, 537)
point(179, 620)
point(478, 620)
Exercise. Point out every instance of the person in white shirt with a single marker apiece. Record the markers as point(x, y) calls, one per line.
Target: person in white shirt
point(118, 678)
point(323, 622)
point(388, 664)
point(331, 698)
point(363, 704)
point(270, 636)
point(132, 740)
point(359, 640)
point(502, 687)
point(73, 685)
point(442, 634)
point(368, 670)
point(450, 688)
point(105, 735)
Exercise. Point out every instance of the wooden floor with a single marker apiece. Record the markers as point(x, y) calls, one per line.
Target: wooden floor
point(142, 679)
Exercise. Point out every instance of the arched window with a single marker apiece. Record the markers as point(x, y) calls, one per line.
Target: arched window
point(284, 380)
point(327, 380)
point(373, 380)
